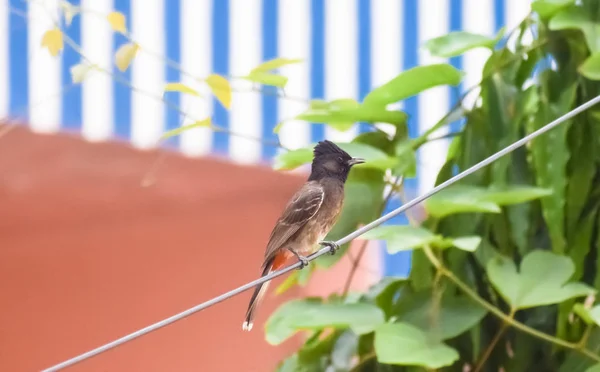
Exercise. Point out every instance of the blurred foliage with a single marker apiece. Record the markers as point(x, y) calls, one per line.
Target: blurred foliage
point(505, 266)
point(505, 260)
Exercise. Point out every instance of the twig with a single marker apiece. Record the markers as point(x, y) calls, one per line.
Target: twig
point(363, 247)
point(488, 350)
point(504, 317)
point(326, 250)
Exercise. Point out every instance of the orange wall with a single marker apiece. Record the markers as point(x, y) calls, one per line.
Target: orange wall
point(87, 256)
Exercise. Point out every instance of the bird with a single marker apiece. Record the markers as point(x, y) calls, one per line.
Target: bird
point(307, 217)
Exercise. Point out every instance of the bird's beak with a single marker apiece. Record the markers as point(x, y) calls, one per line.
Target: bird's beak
point(355, 161)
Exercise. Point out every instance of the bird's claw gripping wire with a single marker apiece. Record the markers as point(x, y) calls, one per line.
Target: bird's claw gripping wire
point(303, 260)
point(333, 246)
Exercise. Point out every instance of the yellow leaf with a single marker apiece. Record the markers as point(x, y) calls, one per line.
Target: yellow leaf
point(125, 55)
point(69, 11)
point(268, 79)
point(53, 40)
point(80, 71)
point(197, 124)
point(117, 22)
point(274, 64)
point(278, 127)
point(179, 87)
point(220, 88)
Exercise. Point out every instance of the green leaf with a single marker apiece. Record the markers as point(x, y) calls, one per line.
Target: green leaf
point(363, 203)
point(404, 344)
point(274, 64)
point(547, 8)
point(550, 155)
point(342, 114)
point(198, 124)
point(407, 159)
point(582, 168)
point(316, 351)
point(457, 42)
point(412, 82)
point(467, 243)
point(297, 277)
point(507, 195)
point(383, 293)
point(344, 349)
point(460, 199)
point(293, 159)
point(374, 158)
point(541, 280)
point(311, 314)
point(590, 68)
point(180, 87)
point(402, 237)
point(455, 316)
point(583, 313)
point(290, 364)
point(594, 368)
point(266, 78)
point(576, 17)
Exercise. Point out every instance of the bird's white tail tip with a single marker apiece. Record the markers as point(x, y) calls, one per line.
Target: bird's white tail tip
point(247, 326)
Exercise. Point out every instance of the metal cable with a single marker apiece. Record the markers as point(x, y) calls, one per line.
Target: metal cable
point(326, 250)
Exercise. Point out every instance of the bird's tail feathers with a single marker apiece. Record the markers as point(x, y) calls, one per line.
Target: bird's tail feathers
point(256, 299)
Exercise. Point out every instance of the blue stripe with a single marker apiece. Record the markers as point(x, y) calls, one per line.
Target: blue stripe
point(399, 263)
point(269, 101)
point(122, 94)
point(71, 98)
point(18, 80)
point(173, 49)
point(364, 53)
point(457, 62)
point(317, 61)
point(499, 16)
point(220, 45)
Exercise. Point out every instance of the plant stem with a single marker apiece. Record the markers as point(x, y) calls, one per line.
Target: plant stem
point(354, 268)
point(365, 359)
point(363, 247)
point(492, 345)
point(506, 318)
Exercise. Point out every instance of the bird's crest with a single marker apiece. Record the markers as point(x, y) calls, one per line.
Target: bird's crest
point(327, 147)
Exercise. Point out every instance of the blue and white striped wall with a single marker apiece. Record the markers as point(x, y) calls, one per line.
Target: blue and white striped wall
point(349, 46)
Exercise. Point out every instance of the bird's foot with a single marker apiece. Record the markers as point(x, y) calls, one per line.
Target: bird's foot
point(303, 260)
point(333, 246)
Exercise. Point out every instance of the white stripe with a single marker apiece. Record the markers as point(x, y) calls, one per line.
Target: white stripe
point(196, 59)
point(245, 54)
point(97, 45)
point(341, 57)
point(294, 42)
point(45, 75)
point(148, 71)
point(386, 46)
point(433, 103)
point(477, 16)
point(516, 11)
point(4, 59)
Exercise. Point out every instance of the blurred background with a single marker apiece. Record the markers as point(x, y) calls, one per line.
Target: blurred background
point(105, 229)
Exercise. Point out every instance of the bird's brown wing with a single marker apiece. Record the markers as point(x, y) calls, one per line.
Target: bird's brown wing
point(301, 208)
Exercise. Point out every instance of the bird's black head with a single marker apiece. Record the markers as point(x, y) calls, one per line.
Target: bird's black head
point(331, 161)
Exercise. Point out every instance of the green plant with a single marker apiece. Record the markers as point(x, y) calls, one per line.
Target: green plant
point(504, 260)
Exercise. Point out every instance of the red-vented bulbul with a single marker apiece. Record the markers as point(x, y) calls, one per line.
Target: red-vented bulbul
point(308, 216)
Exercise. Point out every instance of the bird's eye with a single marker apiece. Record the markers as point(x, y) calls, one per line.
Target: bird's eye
point(340, 160)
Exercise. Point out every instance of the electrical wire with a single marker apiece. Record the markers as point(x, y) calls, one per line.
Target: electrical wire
point(326, 250)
